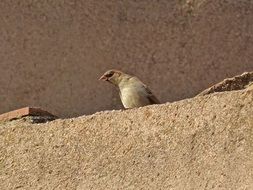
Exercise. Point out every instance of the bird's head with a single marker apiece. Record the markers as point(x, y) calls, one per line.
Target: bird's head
point(113, 76)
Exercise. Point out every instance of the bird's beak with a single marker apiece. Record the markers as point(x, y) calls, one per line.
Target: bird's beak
point(103, 77)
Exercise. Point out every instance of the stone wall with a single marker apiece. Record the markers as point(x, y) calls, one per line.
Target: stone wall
point(199, 143)
point(52, 52)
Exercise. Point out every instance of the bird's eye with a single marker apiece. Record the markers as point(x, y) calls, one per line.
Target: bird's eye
point(109, 75)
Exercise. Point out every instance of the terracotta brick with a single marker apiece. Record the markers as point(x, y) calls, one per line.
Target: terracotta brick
point(26, 111)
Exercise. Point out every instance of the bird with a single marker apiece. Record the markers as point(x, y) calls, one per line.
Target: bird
point(133, 93)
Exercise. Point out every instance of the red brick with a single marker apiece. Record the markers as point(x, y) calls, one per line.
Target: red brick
point(27, 111)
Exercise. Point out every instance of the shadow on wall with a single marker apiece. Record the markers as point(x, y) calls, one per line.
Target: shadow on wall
point(52, 53)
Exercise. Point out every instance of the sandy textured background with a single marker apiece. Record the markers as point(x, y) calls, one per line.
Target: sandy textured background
point(52, 52)
point(200, 143)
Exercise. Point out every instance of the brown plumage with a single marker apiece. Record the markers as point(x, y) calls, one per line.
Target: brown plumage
point(133, 93)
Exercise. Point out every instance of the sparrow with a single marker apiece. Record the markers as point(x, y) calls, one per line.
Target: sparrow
point(133, 93)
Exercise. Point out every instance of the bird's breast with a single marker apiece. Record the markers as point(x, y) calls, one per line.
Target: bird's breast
point(133, 97)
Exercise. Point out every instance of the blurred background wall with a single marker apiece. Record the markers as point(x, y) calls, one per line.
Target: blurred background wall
point(53, 52)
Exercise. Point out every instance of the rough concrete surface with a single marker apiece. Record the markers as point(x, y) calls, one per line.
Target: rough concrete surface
point(243, 81)
point(52, 52)
point(200, 143)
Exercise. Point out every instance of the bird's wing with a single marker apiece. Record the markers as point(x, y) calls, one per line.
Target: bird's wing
point(120, 95)
point(151, 96)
